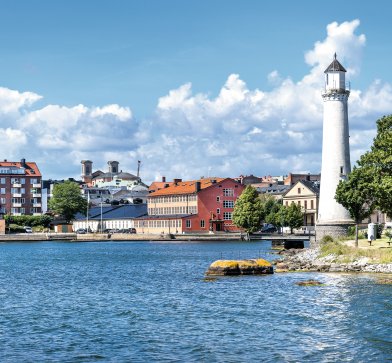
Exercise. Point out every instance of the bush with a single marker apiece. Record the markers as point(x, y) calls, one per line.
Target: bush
point(27, 220)
point(326, 239)
point(14, 228)
point(334, 248)
point(351, 231)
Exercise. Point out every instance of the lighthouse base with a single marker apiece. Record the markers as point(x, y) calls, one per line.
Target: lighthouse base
point(335, 230)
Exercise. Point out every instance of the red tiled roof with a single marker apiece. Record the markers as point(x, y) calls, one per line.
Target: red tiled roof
point(185, 187)
point(31, 170)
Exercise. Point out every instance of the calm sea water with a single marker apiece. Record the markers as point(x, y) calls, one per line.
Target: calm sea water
point(148, 302)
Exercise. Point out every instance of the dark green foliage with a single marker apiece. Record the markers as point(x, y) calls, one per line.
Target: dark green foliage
point(32, 221)
point(369, 185)
point(248, 210)
point(67, 200)
point(379, 163)
point(326, 239)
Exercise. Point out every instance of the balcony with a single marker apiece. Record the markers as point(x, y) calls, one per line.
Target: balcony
point(36, 195)
point(16, 205)
point(36, 185)
point(17, 185)
point(16, 195)
point(37, 205)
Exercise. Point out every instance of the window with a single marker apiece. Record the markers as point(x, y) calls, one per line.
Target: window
point(218, 199)
point(228, 204)
point(2, 190)
point(305, 204)
point(227, 216)
point(188, 223)
point(217, 210)
point(311, 204)
point(341, 170)
point(2, 180)
point(287, 203)
point(202, 223)
point(22, 181)
point(33, 181)
point(299, 190)
point(3, 200)
point(228, 192)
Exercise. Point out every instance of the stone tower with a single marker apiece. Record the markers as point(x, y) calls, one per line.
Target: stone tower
point(113, 167)
point(87, 167)
point(333, 218)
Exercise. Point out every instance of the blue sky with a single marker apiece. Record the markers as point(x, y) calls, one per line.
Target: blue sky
point(137, 79)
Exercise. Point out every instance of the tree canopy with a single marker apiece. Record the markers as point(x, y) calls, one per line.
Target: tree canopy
point(369, 185)
point(67, 200)
point(357, 195)
point(248, 210)
point(378, 162)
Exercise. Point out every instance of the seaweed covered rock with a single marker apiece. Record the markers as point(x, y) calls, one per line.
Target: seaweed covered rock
point(240, 267)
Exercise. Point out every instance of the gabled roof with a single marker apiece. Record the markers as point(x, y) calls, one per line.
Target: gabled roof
point(314, 187)
point(335, 66)
point(185, 187)
point(30, 168)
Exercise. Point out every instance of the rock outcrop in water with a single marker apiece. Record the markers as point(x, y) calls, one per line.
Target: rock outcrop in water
point(240, 267)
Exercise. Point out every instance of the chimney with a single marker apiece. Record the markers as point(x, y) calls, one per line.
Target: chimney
point(308, 177)
point(163, 179)
point(197, 186)
point(23, 163)
point(176, 181)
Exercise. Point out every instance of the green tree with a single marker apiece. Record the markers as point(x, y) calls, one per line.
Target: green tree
point(248, 210)
point(67, 200)
point(378, 163)
point(291, 216)
point(357, 195)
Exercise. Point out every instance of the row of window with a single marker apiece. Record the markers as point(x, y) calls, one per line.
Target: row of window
point(173, 210)
point(23, 210)
point(175, 223)
point(174, 198)
point(20, 181)
point(19, 191)
point(20, 200)
point(305, 204)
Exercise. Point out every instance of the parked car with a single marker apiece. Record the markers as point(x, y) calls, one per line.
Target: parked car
point(81, 231)
point(268, 228)
point(28, 229)
point(130, 230)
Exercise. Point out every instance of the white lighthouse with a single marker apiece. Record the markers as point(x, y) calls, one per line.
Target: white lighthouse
point(333, 218)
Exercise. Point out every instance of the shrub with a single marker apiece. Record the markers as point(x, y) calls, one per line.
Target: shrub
point(351, 231)
point(326, 239)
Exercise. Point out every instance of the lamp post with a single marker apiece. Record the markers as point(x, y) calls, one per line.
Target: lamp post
point(101, 214)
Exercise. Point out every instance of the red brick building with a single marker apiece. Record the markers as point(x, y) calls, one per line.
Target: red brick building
point(191, 206)
point(20, 188)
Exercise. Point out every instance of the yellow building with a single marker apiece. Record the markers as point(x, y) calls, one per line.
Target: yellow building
point(306, 194)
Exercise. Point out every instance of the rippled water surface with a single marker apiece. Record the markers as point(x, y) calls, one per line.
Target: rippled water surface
point(148, 302)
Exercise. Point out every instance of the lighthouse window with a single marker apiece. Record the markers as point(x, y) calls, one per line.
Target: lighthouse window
point(341, 170)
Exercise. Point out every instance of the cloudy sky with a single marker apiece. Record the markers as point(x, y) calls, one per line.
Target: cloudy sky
point(190, 88)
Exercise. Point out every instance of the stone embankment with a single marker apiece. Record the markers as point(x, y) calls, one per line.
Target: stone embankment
point(309, 260)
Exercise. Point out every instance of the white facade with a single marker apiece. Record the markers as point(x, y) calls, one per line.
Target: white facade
point(336, 150)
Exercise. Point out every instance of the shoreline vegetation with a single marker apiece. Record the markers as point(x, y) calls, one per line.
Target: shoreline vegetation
point(339, 256)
